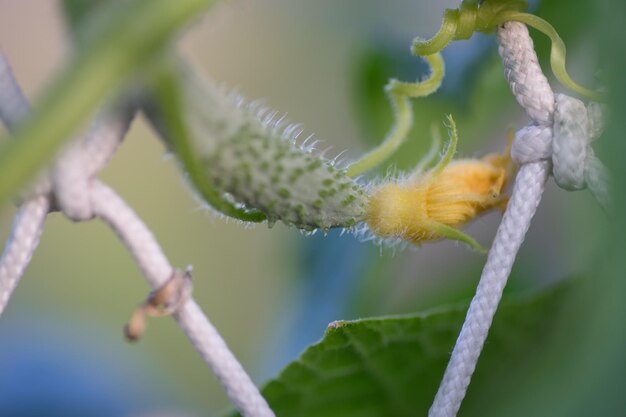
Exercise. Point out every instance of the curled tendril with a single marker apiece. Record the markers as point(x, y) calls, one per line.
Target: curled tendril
point(485, 17)
point(399, 94)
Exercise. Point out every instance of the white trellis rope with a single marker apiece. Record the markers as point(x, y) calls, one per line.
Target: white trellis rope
point(27, 228)
point(13, 105)
point(525, 198)
point(30, 219)
point(561, 134)
point(141, 244)
point(72, 188)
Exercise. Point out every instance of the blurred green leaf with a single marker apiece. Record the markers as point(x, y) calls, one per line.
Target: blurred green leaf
point(393, 366)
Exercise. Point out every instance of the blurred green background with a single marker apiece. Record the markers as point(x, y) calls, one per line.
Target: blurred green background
point(272, 292)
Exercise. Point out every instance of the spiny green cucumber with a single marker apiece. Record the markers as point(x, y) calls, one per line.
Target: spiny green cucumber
point(251, 159)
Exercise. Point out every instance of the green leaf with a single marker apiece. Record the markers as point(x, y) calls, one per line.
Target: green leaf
point(393, 366)
point(124, 41)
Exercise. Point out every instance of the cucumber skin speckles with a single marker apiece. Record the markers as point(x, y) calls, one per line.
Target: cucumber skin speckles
point(254, 158)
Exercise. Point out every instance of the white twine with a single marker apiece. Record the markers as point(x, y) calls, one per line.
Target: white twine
point(559, 142)
point(13, 105)
point(24, 239)
point(72, 188)
point(140, 242)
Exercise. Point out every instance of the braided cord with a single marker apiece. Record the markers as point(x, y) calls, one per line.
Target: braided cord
point(19, 249)
point(30, 219)
point(13, 105)
point(533, 92)
point(147, 253)
point(529, 186)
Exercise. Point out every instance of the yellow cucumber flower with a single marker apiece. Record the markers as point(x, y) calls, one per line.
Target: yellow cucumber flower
point(432, 204)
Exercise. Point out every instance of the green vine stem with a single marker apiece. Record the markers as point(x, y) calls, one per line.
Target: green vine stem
point(485, 17)
point(399, 94)
point(127, 40)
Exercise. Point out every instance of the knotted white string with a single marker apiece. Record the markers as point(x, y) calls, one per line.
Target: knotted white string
point(72, 187)
point(560, 136)
point(567, 144)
